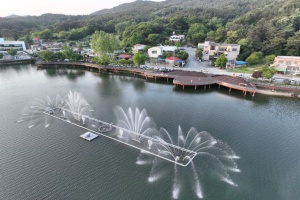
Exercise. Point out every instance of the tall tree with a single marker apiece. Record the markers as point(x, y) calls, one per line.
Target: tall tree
point(139, 59)
point(104, 43)
point(255, 58)
point(16, 36)
point(67, 52)
point(268, 72)
point(28, 40)
point(199, 53)
point(196, 33)
point(221, 61)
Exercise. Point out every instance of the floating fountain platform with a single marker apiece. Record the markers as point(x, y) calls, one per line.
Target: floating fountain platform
point(89, 136)
point(145, 143)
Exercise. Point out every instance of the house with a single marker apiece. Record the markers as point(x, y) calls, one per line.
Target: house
point(175, 61)
point(36, 40)
point(287, 63)
point(155, 52)
point(6, 45)
point(212, 50)
point(138, 48)
point(36, 47)
point(176, 38)
point(123, 57)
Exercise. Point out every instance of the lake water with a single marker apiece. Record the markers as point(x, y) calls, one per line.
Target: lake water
point(55, 163)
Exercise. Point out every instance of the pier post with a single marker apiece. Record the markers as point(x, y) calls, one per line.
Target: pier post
point(195, 87)
point(183, 87)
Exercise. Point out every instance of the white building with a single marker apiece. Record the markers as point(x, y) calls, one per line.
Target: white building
point(212, 50)
point(155, 52)
point(6, 45)
point(176, 38)
point(138, 48)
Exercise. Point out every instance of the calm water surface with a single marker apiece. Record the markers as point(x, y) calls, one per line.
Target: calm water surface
point(54, 163)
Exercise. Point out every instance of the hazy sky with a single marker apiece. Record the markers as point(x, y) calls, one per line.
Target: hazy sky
point(68, 7)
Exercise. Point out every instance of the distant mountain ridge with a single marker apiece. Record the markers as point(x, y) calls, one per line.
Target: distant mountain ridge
point(246, 5)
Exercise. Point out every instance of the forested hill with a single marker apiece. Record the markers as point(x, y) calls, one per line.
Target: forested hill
point(269, 26)
point(239, 5)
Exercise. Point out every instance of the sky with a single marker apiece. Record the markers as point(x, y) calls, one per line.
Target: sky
point(67, 7)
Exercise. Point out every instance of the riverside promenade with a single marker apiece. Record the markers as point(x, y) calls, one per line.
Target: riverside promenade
point(178, 76)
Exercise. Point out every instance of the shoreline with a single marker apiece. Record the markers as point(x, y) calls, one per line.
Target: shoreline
point(8, 62)
point(275, 93)
point(270, 92)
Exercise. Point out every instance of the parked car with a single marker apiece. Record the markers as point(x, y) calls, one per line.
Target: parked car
point(286, 81)
point(293, 81)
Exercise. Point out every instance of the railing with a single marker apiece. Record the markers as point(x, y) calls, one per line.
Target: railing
point(142, 136)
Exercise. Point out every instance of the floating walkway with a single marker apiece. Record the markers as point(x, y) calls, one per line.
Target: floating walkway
point(147, 144)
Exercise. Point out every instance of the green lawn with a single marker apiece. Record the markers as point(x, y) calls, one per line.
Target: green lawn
point(247, 69)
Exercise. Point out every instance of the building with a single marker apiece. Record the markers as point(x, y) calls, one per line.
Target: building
point(138, 48)
point(287, 63)
point(6, 45)
point(155, 52)
point(123, 57)
point(176, 38)
point(212, 50)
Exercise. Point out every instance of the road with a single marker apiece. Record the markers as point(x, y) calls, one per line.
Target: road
point(204, 66)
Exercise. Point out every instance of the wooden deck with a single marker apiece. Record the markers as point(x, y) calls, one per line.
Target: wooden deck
point(179, 77)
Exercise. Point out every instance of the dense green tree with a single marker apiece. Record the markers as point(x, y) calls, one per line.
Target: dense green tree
point(12, 52)
point(221, 61)
point(77, 57)
point(125, 62)
point(58, 56)
point(103, 59)
point(268, 72)
point(139, 59)
point(294, 41)
point(105, 43)
point(16, 36)
point(245, 50)
point(121, 26)
point(47, 55)
point(1, 55)
point(67, 52)
point(46, 34)
point(28, 41)
point(255, 58)
point(153, 39)
point(196, 33)
point(199, 53)
point(269, 59)
point(210, 36)
point(183, 55)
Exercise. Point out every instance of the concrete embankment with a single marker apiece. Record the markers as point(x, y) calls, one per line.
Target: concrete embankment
point(275, 93)
point(12, 62)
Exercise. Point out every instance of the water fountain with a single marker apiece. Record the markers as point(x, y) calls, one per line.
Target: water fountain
point(136, 129)
point(73, 102)
point(136, 122)
point(219, 154)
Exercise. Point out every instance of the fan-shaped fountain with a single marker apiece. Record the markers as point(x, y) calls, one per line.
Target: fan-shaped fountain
point(219, 154)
